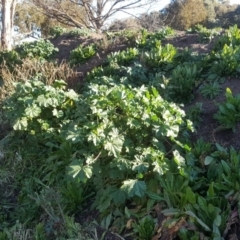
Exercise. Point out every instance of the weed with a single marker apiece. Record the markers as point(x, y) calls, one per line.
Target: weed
point(82, 54)
point(159, 56)
point(228, 114)
point(77, 32)
point(194, 114)
point(57, 31)
point(41, 49)
point(182, 83)
point(210, 90)
point(226, 61)
point(124, 57)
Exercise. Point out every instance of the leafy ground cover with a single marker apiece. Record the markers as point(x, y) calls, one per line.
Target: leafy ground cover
point(145, 146)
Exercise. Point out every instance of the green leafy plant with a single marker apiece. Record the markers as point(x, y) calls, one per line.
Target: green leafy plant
point(57, 31)
point(41, 49)
point(226, 61)
point(164, 32)
point(182, 83)
point(35, 107)
point(160, 56)
point(145, 228)
point(201, 148)
point(228, 114)
point(142, 38)
point(103, 72)
point(79, 32)
point(124, 57)
point(82, 54)
point(194, 114)
point(148, 41)
point(210, 90)
point(230, 38)
point(11, 58)
point(205, 35)
point(227, 162)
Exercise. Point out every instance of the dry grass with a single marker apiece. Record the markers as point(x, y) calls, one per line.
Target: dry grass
point(48, 72)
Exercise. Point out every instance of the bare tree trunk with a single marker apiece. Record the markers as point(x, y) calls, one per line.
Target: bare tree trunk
point(8, 9)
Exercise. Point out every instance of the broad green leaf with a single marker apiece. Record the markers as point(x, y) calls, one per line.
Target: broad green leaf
point(119, 196)
point(139, 176)
point(170, 211)
point(154, 196)
point(211, 209)
point(134, 188)
point(57, 113)
point(230, 106)
point(71, 94)
point(158, 167)
point(210, 192)
point(180, 161)
point(88, 171)
point(202, 203)
point(172, 131)
point(140, 167)
point(127, 212)
point(42, 101)
point(114, 143)
point(218, 220)
point(222, 109)
point(191, 197)
point(59, 84)
point(226, 167)
point(73, 133)
point(105, 223)
point(33, 111)
point(208, 160)
point(205, 226)
point(105, 204)
point(76, 169)
point(21, 124)
point(220, 148)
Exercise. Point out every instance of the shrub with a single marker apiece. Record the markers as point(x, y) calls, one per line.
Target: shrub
point(160, 56)
point(228, 114)
point(38, 108)
point(226, 62)
point(124, 57)
point(42, 49)
point(10, 58)
point(182, 83)
point(57, 31)
point(230, 38)
point(78, 32)
point(81, 54)
point(210, 90)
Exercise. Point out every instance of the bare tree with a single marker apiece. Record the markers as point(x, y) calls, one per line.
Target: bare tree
point(97, 12)
point(8, 11)
point(153, 21)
